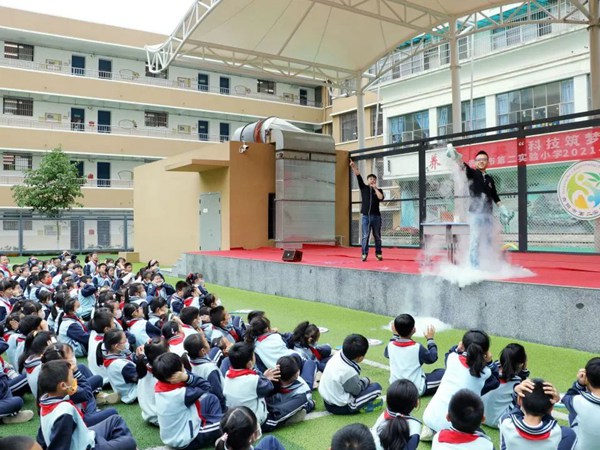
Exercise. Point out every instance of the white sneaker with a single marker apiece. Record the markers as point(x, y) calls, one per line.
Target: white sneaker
point(426, 434)
point(297, 418)
point(21, 417)
point(108, 399)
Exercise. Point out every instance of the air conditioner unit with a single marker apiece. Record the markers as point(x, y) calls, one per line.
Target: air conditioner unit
point(54, 64)
point(184, 129)
point(53, 117)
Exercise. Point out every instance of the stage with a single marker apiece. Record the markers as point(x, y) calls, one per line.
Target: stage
point(547, 307)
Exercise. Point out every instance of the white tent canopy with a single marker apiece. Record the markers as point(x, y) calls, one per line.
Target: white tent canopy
point(316, 40)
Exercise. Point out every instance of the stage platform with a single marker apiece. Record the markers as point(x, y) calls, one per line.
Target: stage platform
point(549, 307)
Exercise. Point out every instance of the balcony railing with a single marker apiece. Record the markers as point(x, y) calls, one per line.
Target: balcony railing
point(92, 127)
point(131, 76)
point(19, 178)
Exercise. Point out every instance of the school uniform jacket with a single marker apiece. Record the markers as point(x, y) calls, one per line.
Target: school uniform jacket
point(72, 331)
point(87, 298)
point(95, 340)
point(451, 439)
point(62, 426)
point(584, 416)
point(101, 281)
point(296, 389)
point(5, 308)
point(269, 347)
point(33, 365)
point(206, 369)
point(175, 303)
point(414, 429)
point(499, 401)
point(16, 346)
point(155, 320)
point(246, 387)
point(176, 344)
point(456, 377)
point(515, 434)
point(164, 291)
point(179, 411)
point(146, 396)
point(142, 330)
point(122, 375)
point(231, 334)
point(313, 352)
point(407, 358)
point(341, 381)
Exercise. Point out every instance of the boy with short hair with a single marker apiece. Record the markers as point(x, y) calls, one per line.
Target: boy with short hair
point(531, 425)
point(244, 386)
point(188, 415)
point(407, 356)
point(465, 413)
point(341, 386)
point(61, 423)
point(583, 403)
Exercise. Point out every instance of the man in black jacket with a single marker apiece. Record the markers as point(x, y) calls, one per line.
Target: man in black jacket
point(371, 196)
point(482, 190)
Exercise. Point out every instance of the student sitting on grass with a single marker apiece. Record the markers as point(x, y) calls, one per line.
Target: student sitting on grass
point(304, 341)
point(583, 403)
point(355, 436)
point(241, 430)
point(188, 415)
point(115, 355)
point(147, 380)
point(512, 369)
point(531, 425)
point(407, 356)
point(343, 390)
point(465, 413)
point(61, 424)
point(396, 429)
point(10, 407)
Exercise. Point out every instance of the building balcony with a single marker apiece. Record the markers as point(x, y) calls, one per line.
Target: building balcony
point(129, 87)
point(19, 178)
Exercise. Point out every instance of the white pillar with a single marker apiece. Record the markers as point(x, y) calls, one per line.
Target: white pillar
point(360, 113)
point(455, 76)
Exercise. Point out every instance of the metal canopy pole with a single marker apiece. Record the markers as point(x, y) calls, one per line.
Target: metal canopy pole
point(455, 76)
point(360, 112)
point(594, 30)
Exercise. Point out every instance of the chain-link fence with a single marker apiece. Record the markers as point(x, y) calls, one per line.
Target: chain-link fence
point(23, 233)
point(534, 170)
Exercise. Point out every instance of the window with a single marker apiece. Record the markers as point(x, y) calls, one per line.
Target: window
point(376, 121)
point(10, 222)
point(349, 126)
point(265, 86)
point(518, 34)
point(409, 127)
point(163, 74)
point(223, 131)
point(533, 103)
point(445, 122)
point(202, 82)
point(156, 119)
point(23, 52)
point(203, 130)
point(18, 106)
point(16, 161)
point(224, 85)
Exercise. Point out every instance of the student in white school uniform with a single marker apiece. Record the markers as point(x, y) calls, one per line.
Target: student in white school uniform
point(137, 325)
point(465, 413)
point(100, 324)
point(512, 369)
point(343, 390)
point(120, 367)
point(407, 356)
point(32, 357)
point(531, 426)
point(174, 337)
point(583, 403)
point(147, 380)
point(466, 368)
point(396, 428)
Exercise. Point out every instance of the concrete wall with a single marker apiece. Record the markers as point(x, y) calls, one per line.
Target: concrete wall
point(536, 313)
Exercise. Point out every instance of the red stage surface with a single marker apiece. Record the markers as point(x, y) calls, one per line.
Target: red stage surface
point(550, 268)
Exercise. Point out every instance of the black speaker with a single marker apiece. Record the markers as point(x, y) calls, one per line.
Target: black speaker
point(292, 255)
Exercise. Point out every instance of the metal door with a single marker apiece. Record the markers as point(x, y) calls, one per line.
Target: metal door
point(77, 119)
point(78, 65)
point(210, 221)
point(103, 121)
point(104, 68)
point(103, 174)
point(103, 233)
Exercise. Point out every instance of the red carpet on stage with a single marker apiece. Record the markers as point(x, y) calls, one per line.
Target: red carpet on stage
point(571, 270)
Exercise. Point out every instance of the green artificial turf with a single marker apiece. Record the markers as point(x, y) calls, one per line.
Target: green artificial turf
point(558, 365)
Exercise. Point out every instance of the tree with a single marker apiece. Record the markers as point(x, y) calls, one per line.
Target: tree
point(50, 189)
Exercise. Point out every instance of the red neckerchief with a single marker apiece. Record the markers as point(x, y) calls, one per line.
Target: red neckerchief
point(132, 322)
point(176, 340)
point(235, 373)
point(408, 343)
point(161, 386)
point(74, 317)
point(264, 336)
point(456, 437)
point(8, 305)
point(315, 352)
point(48, 408)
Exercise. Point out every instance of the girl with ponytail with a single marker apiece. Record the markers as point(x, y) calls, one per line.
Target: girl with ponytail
point(304, 342)
point(31, 359)
point(396, 429)
point(468, 366)
point(241, 430)
point(512, 369)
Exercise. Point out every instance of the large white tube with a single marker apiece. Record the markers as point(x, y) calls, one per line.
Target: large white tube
point(259, 131)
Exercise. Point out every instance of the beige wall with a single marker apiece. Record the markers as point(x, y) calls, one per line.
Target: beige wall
point(84, 87)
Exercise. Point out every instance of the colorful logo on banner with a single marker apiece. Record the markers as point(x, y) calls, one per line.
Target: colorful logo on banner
point(579, 190)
